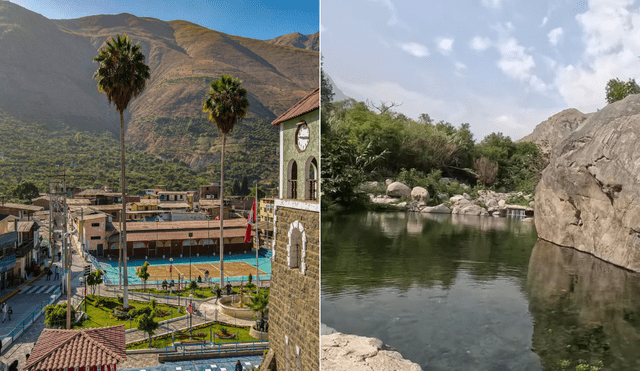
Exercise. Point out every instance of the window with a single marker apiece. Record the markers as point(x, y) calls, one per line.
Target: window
point(95, 238)
point(311, 179)
point(292, 180)
point(297, 247)
point(95, 224)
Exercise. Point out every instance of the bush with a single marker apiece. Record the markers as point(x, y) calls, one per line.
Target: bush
point(100, 301)
point(138, 312)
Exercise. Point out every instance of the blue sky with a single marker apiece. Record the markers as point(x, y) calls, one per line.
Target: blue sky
point(500, 65)
point(255, 19)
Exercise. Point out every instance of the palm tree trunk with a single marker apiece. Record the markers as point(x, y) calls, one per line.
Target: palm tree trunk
point(125, 294)
point(224, 142)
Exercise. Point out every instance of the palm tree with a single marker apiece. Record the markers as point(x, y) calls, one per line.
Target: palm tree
point(259, 303)
point(226, 103)
point(122, 75)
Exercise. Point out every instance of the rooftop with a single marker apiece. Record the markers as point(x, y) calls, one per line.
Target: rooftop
point(78, 348)
point(307, 104)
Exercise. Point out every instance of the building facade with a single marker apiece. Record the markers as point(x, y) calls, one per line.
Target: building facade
point(295, 270)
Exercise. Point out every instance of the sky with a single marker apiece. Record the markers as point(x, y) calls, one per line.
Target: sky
point(499, 65)
point(249, 18)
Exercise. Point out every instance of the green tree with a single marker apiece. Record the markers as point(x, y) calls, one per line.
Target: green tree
point(226, 103)
point(94, 279)
point(154, 307)
point(244, 187)
point(259, 303)
point(56, 315)
point(143, 274)
point(425, 118)
point(193, 286)
point(235, 188)
point(618, 90)
point(148, 325)
point(122, 75)
point(25, 191)
point(261, 193)
point(326, 90)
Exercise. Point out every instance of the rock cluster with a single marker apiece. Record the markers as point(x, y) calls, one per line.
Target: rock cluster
point(486, 204)
point(340, 352)
point(588, 197)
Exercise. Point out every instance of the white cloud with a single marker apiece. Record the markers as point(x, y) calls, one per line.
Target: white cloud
point(544, 21)
point(496, 4)
point(537, 84)
point(555, 35)
point(415, 49)
point(480, 43)
point(611, 49)
point(460, 66)
point(445, 45)
point(514, 61)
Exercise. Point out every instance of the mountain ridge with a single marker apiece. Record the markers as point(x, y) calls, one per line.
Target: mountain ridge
point(47, 74)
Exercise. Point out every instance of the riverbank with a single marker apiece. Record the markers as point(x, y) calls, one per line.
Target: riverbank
point(359, 353)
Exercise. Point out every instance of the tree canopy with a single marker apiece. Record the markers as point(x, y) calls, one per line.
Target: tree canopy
point(618, 90)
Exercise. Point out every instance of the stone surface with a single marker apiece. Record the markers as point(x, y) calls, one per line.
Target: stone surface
point(294, 302)
point(420, 194)
point(388, 182)
point(550, 132)
point(440, 209)
point(469, 209)
point(502, 203)
point(397, 189)
point(589, 195)
point(357, 353)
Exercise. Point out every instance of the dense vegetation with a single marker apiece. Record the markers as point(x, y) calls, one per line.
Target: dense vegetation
point(34, 151)
point(363, 142)
point(618, 90)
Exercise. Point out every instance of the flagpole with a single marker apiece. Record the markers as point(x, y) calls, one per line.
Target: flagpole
point(255, 216)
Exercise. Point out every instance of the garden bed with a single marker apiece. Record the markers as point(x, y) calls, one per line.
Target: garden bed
point(163, 341)
point(105, 315)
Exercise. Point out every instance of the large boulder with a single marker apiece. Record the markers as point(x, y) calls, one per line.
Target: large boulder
point(420, 194)
point(469, 208)
point(397, 189)
point(358, 353)
point(557, 127)
point(589, 195)
point(440, 209)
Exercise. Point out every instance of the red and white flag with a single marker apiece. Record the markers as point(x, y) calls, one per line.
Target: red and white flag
point(217, 217)
point(250, 220)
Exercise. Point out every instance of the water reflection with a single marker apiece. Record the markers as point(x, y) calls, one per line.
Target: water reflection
point(583, 308)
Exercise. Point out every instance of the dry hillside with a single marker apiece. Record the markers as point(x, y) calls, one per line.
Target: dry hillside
point(46, 68)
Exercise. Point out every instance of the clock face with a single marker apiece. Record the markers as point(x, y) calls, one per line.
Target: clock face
point(302, 137)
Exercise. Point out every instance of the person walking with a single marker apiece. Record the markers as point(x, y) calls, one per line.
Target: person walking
point(57, 276)
point(238, 366)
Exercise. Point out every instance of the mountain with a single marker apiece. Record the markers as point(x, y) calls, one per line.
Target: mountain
point(298, 40)
point(338, 94)
point(551, 131)
point(46, 69)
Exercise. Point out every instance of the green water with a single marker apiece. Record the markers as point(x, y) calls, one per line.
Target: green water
point(476, 293)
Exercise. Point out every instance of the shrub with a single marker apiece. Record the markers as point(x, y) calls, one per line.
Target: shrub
point(100, 301)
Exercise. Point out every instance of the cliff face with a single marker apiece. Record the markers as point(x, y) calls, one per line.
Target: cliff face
point(551, 132)
point(589, 195)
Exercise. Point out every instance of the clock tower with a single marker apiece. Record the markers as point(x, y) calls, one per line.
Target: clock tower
point(294, 301)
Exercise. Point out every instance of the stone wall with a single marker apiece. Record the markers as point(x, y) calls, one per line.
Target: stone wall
point(295, 297)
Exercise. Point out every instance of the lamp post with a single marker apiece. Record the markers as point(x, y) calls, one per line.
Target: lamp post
point(83, 280)
point(191, 312)
point(170, 271)
point(190, 243)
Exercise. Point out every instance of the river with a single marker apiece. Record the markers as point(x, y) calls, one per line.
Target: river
point(453, 292)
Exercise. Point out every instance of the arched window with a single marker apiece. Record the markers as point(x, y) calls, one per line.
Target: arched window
point(311, 179)
point(297, 247)
point(292, 180)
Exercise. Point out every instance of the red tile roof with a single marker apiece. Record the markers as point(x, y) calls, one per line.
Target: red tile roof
point(76, 348)
point(305, 105)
